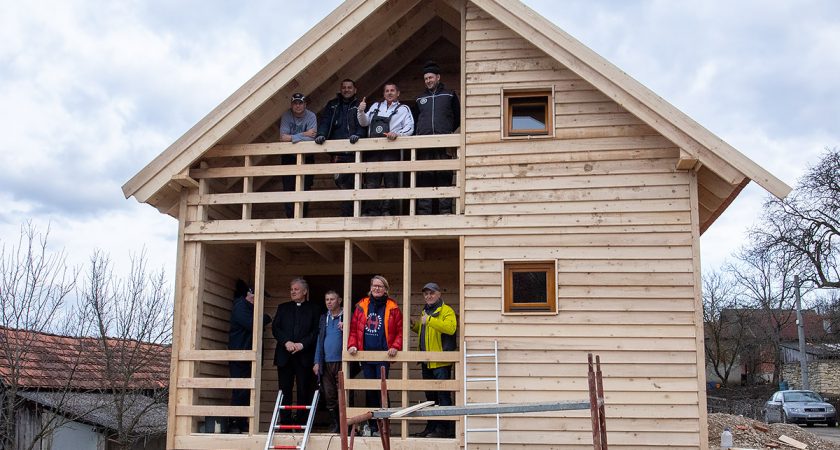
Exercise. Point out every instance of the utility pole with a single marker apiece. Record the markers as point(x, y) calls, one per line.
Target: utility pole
point(803, 357)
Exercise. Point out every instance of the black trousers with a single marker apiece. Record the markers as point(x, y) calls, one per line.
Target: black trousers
point(295, 373)
point(239, 397)
point(374, 180)
point(436, 178)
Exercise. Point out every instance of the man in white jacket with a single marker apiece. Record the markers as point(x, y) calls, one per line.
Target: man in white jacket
point(388, 118)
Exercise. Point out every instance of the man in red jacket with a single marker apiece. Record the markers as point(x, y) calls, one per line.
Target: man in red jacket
point(376, 326)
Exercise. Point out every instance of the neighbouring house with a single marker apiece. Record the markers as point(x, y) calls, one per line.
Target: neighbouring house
point(580, 200)
point(64, 397)
point(762, 335)
point(823, 366)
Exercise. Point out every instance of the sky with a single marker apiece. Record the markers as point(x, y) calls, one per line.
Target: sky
point(92, 91)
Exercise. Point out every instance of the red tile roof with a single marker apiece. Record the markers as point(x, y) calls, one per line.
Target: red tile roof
point(47, 361)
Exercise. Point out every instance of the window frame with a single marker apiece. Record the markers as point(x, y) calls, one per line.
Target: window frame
point(549, 307)
point(507, 112)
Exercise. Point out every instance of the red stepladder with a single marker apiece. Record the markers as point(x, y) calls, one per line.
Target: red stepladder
point(307, 429)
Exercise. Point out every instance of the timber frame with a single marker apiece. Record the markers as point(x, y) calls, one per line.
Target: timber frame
point(616, 197)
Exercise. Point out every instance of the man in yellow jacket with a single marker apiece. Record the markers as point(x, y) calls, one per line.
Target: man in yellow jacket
point(436, 329)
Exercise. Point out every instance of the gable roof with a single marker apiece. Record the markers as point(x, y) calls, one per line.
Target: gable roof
point(48, 361)
point(140, 413)
point(722, 170)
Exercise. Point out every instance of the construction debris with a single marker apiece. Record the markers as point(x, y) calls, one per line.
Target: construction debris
point(755, 437)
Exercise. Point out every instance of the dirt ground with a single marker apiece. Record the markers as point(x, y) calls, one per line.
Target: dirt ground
point(746, 435)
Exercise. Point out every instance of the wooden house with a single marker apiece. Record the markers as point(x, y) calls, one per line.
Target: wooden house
point(567, 171)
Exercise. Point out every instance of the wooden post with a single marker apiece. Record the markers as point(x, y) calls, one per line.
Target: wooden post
point(406, 324)
point(257, 338)
point(593, 407)
point(384, 424)
point(342, 410)
point(602, 418)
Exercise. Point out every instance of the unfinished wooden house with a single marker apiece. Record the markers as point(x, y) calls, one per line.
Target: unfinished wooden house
point(581, 197)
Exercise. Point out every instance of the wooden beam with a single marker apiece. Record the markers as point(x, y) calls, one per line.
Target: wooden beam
point(686, 161)
point(322, 249)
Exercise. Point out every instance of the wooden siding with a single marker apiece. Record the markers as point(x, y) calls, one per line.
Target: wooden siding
point(609, 205)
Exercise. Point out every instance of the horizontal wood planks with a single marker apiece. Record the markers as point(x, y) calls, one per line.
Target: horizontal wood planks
point(627, 294)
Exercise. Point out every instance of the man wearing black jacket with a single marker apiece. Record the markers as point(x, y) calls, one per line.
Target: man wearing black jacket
point(296, 329)
point(338, 121)
point(241, 337)
point(439, 112)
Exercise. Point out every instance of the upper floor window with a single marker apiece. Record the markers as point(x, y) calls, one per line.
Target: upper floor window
point(528, 112)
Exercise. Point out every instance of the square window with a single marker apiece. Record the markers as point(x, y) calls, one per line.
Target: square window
point(530, 286)
point(528, 113)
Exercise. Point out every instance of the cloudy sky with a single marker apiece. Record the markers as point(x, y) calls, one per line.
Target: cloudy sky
point(91, 91)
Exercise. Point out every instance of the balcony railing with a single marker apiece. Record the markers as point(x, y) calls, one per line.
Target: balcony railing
point(248, 176)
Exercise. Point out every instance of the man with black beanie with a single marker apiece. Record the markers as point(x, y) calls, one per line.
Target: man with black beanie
point(439, 112)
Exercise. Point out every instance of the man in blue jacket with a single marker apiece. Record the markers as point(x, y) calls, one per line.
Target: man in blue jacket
point(339, 121)
point(328, 354)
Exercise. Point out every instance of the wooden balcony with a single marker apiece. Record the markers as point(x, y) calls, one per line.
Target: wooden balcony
point(241, 182)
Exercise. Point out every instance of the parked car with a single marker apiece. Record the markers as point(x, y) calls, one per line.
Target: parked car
point(805, 407)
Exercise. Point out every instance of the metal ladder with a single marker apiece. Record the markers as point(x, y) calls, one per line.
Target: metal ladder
point(306, 428)
point(468, 380)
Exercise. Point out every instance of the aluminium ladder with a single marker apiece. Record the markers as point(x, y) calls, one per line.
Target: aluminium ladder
point(468, 380)
point(306, 428)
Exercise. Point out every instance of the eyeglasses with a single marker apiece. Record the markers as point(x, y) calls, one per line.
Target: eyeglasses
point(377, 286)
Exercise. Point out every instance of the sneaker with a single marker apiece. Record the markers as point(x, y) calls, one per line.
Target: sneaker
point(423, 433)
point(436, 434)
point(374, 434)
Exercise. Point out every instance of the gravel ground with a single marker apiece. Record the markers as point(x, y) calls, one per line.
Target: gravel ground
point(753, 438)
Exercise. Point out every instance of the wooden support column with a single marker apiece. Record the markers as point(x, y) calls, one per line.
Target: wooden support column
point(203, 189)
point(412, 203)
point(299, 187)
point(357, 184)
point(247, 188)
point(698, 306)
point(259, 308)
point(406, 308)
point(175, 365)
point(348, 302)
point(189, 306)
point(461, 154)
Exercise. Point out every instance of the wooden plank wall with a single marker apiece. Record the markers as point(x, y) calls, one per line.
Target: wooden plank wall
point(604, 199)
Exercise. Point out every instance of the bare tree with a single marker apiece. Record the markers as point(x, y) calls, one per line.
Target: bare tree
point(765, 276)
point(35, 286)
point(724, 322)
point(807, 223)
point(132, 323)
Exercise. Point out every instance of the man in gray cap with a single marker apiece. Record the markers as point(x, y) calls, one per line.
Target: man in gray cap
point(436, 329)
point(296, 125)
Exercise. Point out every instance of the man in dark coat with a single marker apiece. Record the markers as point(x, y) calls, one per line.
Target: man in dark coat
point(241, 337)
point(438, 112)
point(296, 329)
point(339, 121)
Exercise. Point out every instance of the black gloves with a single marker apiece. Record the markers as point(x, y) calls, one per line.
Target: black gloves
point(320, 139)
point(354, 138)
